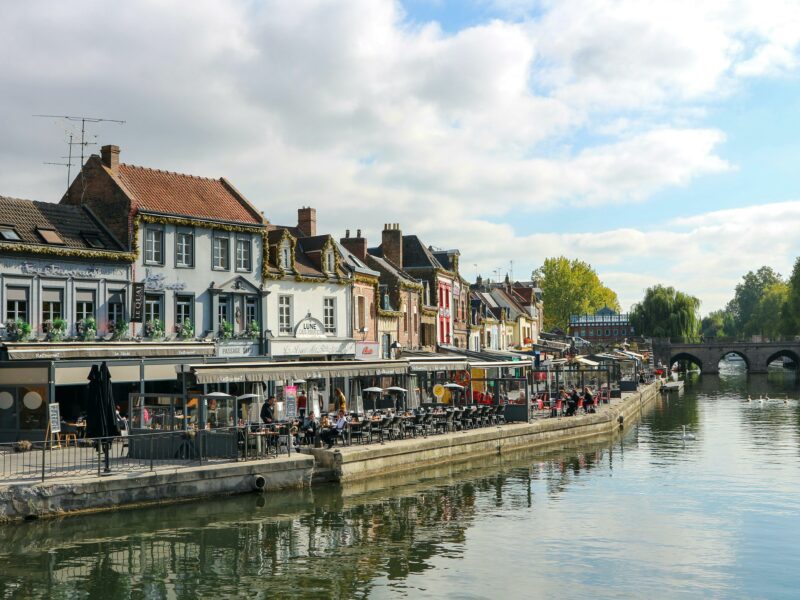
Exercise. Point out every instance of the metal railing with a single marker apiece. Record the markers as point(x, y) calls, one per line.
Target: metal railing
point(138, 452)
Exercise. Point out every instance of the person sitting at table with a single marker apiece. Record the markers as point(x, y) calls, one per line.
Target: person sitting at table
point(572, 402)
point(588, 400)
point(329, 435)
point(267, 411)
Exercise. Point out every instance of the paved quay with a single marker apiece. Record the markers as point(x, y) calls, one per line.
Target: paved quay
point(57, 496)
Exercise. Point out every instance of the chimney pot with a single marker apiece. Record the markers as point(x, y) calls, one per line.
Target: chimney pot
point(347, 233)
point(358, 235)
point(307, 221)
point(392, 244)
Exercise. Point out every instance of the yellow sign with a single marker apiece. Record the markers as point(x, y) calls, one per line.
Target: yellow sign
point(438, 390)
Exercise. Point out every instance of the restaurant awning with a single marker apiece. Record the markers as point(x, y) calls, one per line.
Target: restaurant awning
point(241, 372)
point(435, 364)
point(74, 350)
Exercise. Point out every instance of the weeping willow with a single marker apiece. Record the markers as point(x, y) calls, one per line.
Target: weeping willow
point(667, 312)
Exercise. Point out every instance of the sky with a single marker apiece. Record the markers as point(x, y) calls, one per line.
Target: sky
point(658, 141)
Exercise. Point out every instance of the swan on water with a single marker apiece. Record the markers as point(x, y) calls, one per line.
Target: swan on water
point(687, 436)
point(749, 398)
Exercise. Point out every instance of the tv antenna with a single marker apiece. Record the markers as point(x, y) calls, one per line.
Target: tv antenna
point(83, 143)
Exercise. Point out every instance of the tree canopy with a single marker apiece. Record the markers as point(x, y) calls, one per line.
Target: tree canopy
point(790, 313)
point(571, 287)
point(667, 312)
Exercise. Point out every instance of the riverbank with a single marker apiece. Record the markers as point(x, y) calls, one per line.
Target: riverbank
point(58, 497)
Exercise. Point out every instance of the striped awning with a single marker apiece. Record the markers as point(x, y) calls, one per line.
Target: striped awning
point(76, 350)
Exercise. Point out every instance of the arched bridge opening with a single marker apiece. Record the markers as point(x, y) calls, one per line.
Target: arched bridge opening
point(685, 360)
point(734, 358)
point(788, 358)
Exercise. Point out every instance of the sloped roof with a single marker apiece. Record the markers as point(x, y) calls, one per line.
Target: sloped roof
point(390, 268)
point(187, 195)
point(353, 262)
point(71, 223)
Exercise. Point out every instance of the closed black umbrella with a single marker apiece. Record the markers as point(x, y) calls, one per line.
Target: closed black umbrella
point(101, 414)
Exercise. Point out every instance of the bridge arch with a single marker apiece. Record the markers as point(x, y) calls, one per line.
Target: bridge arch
point(742, 355)
point(681, 356)
point(790, 354)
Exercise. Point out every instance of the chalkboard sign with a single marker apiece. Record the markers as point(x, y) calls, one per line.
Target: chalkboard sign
point(137, 309)
point(290, 392)
point(55, 417)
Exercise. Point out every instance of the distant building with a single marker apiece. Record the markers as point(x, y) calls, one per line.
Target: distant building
point(603, 327)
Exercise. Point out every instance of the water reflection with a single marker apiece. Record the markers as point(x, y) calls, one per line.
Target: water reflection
point(646, 514)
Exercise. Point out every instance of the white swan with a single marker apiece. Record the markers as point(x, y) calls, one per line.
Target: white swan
point(749, 398)
point(687, 436)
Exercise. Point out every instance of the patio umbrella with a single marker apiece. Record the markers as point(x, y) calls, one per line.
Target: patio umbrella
point(375, 390)
point(101, 414)
point(399, 390)
point(101, 419)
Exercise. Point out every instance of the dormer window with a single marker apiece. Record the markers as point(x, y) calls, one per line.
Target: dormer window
point(285, 256)
point(330, 262)
point(50, 236)
point(9, 234)
point(93, 240)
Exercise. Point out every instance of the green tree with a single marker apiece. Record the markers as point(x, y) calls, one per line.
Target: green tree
point(571, 287)
point(790, 312)
point(716, 324)
point(765, 319)
point(747, 296)
point(667, 312)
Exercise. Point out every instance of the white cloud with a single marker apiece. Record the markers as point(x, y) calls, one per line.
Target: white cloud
point(351, 107)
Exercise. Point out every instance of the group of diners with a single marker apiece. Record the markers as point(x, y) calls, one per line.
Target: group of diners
point(378, 425)
point(573, 401)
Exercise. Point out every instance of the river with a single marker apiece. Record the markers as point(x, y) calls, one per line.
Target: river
point(644, 515)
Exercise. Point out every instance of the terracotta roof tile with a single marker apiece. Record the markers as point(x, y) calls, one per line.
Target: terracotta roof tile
point(179, 194)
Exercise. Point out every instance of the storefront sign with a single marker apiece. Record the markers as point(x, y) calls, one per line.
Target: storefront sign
point(55, 417)
point(137, 308)
point(312, 347)
point(309, 328)
point(367, 350)
point(67, 270)
point(158, 281)
point(290, 395)
point(236, 349)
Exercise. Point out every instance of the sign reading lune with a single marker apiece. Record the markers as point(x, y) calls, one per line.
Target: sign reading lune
point(309, 328)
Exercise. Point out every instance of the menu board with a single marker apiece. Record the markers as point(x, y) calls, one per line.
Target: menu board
point(290, 397)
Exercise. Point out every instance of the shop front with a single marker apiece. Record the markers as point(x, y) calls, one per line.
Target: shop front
point(33, 375)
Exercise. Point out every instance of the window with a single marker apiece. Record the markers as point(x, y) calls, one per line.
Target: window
point(9, 234)
point(224, 310)
point(405, 319)
point(184, 306)
point(84, 305)
point(330, 262)
point(93, 240)
point(250, 310)
point(221, 258)
point(153, 246)
point(361, 317)
point(329, 315)
point(50, 236)
point(285, 314)
point(51, 304)
point(16, 303)
point(286, 256)
point(184, 249)
point(116, 306)
point(243, 251)
point(152, 308)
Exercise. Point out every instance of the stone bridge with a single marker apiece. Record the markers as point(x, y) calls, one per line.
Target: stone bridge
point(706, 355)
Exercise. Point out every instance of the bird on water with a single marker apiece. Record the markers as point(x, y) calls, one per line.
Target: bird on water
point(687, 436)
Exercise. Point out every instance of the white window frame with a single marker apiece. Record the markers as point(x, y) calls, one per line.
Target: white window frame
point(150, 301)
point(184, 252)
point(250, 309)
point(285, 314)
point(244, 243)
point(216, 252)
point(329, 315)
point(153, 245)
point(286, 256)
point(187, 301)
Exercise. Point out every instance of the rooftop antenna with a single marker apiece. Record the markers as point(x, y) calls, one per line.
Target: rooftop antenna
point(512, 271)
point(69, 162)
point(83, 143)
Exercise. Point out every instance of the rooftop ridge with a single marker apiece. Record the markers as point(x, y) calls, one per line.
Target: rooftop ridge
point(167, 172)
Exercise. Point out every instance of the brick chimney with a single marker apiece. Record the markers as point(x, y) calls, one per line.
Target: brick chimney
point(307, 221)
point(356, 245)
point(110, 157)
point(392, 243)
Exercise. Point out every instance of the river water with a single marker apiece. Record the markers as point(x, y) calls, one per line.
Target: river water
point(643, 515)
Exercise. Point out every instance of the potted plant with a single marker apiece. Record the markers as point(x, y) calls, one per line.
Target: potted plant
point(253, 330)
point(118, 329)
point(185, 330)
point(55, 329)
point(86, 329)
point(154, 329)
point(18, 330)
point(225, 330)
